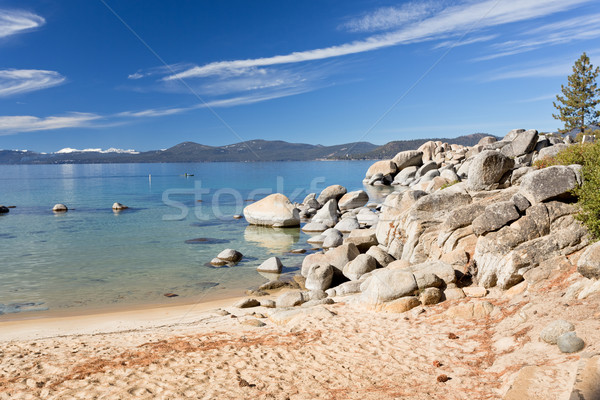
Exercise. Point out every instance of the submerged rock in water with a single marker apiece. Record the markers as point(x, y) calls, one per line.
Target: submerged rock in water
point(272, 264)
point(60, 208)
point(119, 207)
point(217, 262)
point(21, 307)
point(276, 240)
point(206, 241)
point(230, 255)
point(206, 285)
point(297, 251)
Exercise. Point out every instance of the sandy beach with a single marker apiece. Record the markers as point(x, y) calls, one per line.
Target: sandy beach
point(338, 351)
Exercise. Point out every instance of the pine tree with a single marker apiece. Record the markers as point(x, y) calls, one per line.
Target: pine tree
point(578, 107)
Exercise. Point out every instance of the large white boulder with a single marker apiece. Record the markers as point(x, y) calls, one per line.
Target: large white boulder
point(275, 210)
point(487, 168)
point(352, 200)
point(549, 183)
point(384, 167)
point(386, 285)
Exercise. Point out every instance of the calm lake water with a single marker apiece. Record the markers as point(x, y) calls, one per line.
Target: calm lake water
point(92, 257)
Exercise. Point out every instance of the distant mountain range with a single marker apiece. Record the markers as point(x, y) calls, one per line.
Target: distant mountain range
point(253, 150)
point(389, 150)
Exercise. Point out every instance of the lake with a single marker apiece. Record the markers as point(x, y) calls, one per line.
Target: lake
point(91, 258)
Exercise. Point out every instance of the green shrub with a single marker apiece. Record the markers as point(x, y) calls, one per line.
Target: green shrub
point(589, 192)
point(575, 154)
point(588, 156)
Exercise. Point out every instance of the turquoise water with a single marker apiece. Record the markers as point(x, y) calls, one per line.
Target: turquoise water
point(92, 257)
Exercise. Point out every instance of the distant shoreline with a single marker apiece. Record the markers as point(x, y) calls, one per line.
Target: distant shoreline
point(250, 151)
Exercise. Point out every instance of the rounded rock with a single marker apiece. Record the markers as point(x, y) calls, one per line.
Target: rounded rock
point(319, 277)
point(555, 329)
point(347, 224)
point(570, 343)
point(333, 192)
point(352, 200)
point(431, 295)
point(290, 299)
point(275, 210)
point(314, 227)
point(333, 239)
point(230, 255)
point(359, 266)
point(119, 206)
point(247, 303)
point(589, 262)
point(60, 208)
point(272, 265)
point(217, 262)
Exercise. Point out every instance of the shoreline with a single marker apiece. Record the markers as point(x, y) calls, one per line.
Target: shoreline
point(224, 294)
point(105, 322)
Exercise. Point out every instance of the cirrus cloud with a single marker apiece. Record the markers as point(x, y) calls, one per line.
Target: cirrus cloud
point(16, 81)
point(451, 21)
point(26, 123)
point(18, 21)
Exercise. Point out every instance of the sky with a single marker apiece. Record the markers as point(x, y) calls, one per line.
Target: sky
point(150, 74)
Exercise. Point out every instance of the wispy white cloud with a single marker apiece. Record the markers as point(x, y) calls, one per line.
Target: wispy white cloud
point(218, 103)
point(455, 43)
point(255, 98)
point(545, 68)
point(162, 70)
point(135, 75)
point(16, 81)
point(18, 21)
point(27, 123)
point(391, 17)
point(540, 71)
point(580, 22)
point(154, 112)
point(257, 84)
point(562, 32)
point(545, 97)
point(454, 20)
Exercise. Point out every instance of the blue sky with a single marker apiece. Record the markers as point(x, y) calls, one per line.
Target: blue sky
point(150, 74)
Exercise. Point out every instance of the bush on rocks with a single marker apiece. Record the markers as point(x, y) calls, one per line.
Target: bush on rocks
point(588, 156)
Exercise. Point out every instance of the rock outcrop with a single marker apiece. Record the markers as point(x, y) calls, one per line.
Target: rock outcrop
point(460, 216)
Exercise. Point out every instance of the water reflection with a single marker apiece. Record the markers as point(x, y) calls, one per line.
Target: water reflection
point(377, 194)
point(277, 240)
